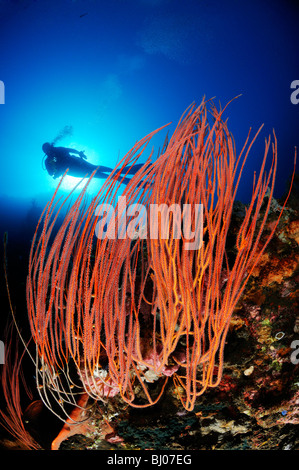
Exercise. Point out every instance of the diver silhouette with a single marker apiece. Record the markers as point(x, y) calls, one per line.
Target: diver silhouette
point(59, 159)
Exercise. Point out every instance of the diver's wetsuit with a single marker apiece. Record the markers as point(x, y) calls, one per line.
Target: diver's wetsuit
point(59, 160)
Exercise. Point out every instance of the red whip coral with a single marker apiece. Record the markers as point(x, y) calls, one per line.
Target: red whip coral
point(127, 306)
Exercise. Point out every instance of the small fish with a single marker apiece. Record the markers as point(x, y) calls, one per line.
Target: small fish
point(83, 14)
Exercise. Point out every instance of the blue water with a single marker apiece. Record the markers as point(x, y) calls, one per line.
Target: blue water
point(114, 70)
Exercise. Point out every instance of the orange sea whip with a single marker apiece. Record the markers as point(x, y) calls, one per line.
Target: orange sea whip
point(11, 373)
point(117, 309)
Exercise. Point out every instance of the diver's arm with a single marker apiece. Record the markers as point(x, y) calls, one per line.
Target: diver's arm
point(82, 155)
point(69, 150)
point(77, 152)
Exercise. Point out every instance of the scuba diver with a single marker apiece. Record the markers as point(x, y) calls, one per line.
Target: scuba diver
point(59, 159)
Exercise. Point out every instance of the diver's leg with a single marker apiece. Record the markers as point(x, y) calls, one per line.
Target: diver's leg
point(79, 168)
point(101, 175)
point(133, 169)
point(105, 169)
point(127, 169)
point(124, 180)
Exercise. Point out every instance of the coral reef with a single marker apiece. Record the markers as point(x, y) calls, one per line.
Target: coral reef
point(144, 343)
point(256, 405)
